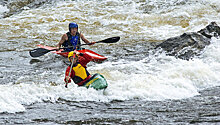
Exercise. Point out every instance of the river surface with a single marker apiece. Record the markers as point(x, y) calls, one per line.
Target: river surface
point(145, 85)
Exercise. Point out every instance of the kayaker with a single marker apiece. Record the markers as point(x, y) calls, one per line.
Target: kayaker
point(72, 38)
point(79, 73)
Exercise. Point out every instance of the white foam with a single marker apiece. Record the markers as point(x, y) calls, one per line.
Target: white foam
point(102, 18)
point(157, 77)
point(3, 9)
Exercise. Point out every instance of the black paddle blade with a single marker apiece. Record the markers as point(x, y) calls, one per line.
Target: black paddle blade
point(38, 52)
point(110, 40)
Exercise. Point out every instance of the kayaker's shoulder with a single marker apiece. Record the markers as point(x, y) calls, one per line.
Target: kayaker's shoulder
point(65, 37)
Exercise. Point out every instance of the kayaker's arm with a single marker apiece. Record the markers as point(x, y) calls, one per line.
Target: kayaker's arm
point(63, 39)
point(85, 40)
point(67, 74)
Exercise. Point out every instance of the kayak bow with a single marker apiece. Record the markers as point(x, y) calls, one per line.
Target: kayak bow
point(97, 82)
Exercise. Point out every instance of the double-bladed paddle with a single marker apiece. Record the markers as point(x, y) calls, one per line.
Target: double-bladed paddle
point(41, 51)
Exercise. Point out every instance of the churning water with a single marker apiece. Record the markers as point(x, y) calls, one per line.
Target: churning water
point(145, 85)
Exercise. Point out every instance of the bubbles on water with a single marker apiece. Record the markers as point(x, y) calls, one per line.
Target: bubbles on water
point(156, 77)
point(98, 19)
point(3, 9)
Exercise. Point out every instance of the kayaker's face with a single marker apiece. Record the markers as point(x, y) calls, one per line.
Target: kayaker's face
point(73, 30)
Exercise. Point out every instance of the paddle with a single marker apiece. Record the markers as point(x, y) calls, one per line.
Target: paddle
point(41, 51)
point(108, 40)
point(69, 73)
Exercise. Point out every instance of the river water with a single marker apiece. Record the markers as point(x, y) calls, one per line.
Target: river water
point(145, 85)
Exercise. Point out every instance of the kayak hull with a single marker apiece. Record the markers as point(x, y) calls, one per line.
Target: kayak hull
point(98, 82)
point(95, 56)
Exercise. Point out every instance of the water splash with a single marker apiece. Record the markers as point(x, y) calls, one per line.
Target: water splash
point(156, 77)
point(3, 9)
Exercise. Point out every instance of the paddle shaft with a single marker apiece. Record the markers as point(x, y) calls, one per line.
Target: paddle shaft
point(41, 51)
point(69, 73)
point(108, 40)
point(89, 43)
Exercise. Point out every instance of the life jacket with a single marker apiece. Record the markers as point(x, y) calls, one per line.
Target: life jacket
point(81, 74)
point(72, 41)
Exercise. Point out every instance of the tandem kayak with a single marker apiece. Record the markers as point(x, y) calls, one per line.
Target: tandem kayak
point(97, 81)
point(95, 56)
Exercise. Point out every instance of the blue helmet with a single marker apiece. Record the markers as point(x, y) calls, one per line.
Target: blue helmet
point(73, 25)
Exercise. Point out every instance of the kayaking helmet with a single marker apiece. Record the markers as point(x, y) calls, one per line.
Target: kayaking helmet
point(71, 54)
point(73, 25)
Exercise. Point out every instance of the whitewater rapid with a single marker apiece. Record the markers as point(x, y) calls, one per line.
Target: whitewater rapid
point(154, 77)
point(157, 77)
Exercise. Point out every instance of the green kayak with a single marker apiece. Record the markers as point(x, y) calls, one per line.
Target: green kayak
point(97, 81)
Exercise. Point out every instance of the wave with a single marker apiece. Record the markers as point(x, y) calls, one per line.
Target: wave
point(157, 77)
point(3, 9)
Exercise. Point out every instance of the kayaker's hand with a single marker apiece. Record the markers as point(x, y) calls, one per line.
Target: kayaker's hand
point(76, 52)
point(91, 43)
point(58, 48)
point(67, 78)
